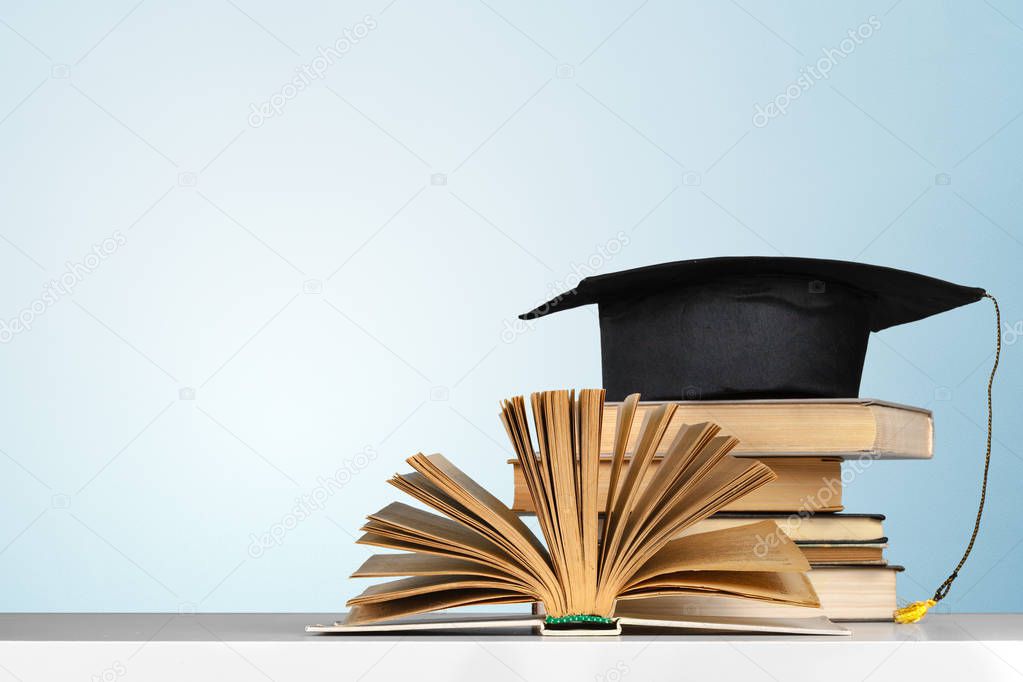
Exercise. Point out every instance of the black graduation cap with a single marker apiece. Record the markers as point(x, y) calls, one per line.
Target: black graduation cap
point(749, 327)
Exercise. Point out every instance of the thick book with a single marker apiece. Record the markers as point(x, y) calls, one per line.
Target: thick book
point(847, 428)
point(479, 552)
point(801, 484)
point(846, 594)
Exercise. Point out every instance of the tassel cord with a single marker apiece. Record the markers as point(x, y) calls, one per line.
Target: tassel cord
point(915, 611)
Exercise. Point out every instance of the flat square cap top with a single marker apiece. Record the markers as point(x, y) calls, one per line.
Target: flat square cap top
point(891, 296)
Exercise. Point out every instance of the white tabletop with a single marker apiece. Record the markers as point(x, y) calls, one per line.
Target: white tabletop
point(254, 646)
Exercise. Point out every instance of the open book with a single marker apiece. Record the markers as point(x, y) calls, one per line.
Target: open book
point(479, 552)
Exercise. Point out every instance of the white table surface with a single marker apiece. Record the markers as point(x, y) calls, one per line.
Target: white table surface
point(126, 647)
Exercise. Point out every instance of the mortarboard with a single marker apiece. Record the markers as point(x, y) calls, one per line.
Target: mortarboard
point(754, 327)
point(761, 327)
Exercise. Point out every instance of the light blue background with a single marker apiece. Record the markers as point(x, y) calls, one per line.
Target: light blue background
point(129, 118)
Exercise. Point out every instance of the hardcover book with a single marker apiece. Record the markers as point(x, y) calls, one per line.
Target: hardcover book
point(848, 428)
point(847, 593)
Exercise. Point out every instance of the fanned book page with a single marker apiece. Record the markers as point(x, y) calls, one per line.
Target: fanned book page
point(475, 551)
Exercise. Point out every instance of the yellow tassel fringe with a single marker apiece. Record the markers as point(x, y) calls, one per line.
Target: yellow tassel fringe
point(913, 612)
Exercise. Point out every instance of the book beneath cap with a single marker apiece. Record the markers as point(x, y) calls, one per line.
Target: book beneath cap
point(481, 553)
point(847, 428)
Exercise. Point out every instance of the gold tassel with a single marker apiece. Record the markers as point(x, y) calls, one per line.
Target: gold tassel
point(913, 612)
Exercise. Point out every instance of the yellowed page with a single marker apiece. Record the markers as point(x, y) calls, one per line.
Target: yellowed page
point(621, 438)
point(591, 414)
point(492, 512)
point(513, 415)
point(399, 608)
point(409, 564)
point(729, 480)
point(426, 584)
point(695, 452)
point(733, 549)
point(649, 438)
point(557, 409)
point(783, 588)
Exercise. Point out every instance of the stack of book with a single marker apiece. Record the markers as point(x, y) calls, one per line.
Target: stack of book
point(805, 443)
